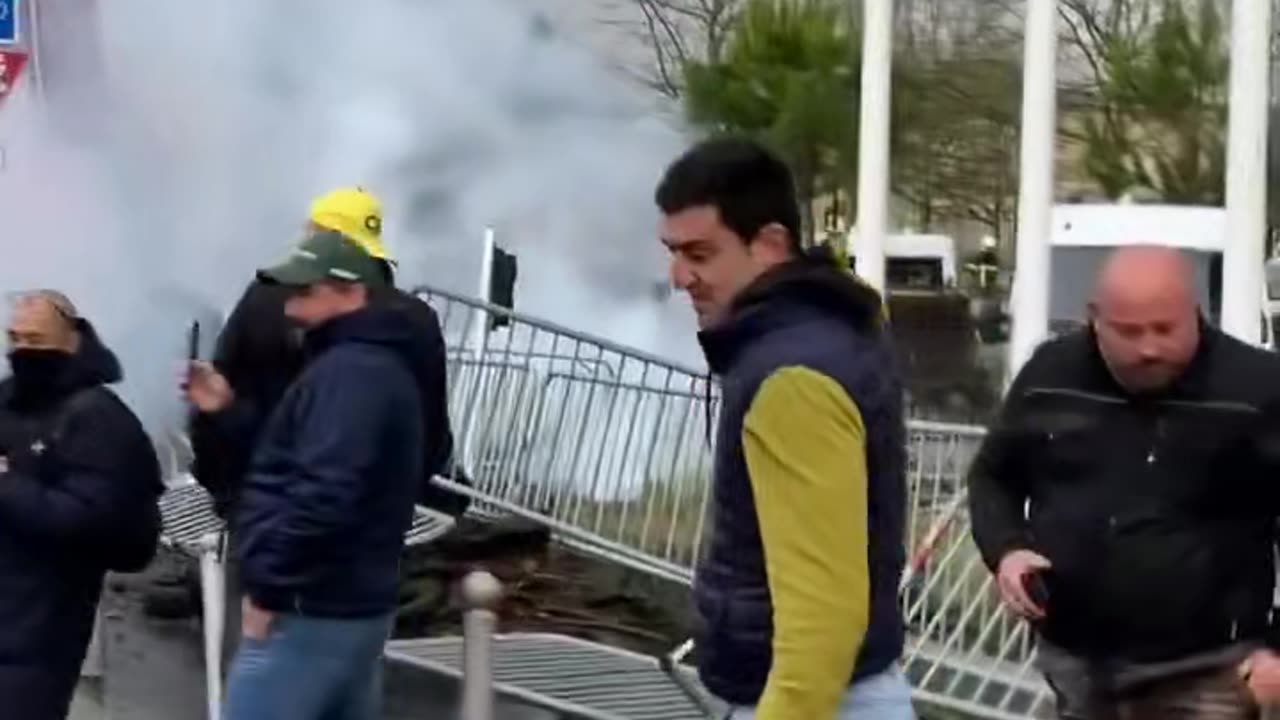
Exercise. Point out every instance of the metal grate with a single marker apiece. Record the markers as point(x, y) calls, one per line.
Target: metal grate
point(187, 512)
point(566, 675)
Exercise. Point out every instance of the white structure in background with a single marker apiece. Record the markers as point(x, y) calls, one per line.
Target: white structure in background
point(1273, 289)
point(873, 141)
point(1083, 236)
point(918, 261)
point(913, 261)
point(1035, 193)
point(1239, 241)
point(1249, 98)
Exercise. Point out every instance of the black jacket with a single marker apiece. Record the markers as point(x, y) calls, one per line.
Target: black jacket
point(331, 487)
point(78, 498)
point(260, 353)
point(1158, 513)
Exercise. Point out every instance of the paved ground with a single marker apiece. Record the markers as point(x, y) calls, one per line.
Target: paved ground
point(154, 670)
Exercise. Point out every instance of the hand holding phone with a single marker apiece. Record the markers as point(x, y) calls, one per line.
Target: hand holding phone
point(193, 341)
point(1021, 579)
point(1037, 589)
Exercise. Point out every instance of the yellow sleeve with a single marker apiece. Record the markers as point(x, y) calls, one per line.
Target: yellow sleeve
point(805, 447)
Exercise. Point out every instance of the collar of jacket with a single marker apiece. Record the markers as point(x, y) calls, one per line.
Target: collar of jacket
point(783, 294)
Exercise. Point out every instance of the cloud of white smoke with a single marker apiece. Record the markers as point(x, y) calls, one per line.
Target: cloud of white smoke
point(183, 151)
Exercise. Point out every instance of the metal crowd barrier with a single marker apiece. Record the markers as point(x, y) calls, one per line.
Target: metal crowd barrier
point(610, 449)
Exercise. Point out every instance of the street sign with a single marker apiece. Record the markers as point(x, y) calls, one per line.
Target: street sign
point(11, 64)
point(8, 22)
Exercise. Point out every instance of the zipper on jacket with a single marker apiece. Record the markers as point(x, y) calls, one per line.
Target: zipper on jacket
point(1157, 436)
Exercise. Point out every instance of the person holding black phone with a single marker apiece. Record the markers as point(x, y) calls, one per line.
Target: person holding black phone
point(258, 355)
point(1126, 501)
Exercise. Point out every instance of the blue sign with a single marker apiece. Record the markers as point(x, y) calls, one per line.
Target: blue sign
point(8, 22)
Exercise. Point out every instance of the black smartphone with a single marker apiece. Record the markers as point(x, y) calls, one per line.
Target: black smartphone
point(193, 341)
point(1037, 589)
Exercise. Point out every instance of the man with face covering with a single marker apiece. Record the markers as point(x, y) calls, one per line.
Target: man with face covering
point(79, 481)
point(1125, 499)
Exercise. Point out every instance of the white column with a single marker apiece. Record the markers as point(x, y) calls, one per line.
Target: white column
point(481, 593)
point(1030, 306)
point(873, 142)
point(213, 597)
point(1242, 262)
point(479, 341)
point(480, 329)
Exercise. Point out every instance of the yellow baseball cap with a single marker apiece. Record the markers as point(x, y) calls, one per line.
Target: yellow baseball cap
point(354, 213)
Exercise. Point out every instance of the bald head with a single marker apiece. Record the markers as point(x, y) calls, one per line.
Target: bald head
point(1145, 274)
point(1145, 316)
point(43, 320)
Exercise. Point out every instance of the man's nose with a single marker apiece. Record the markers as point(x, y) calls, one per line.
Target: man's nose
point(682, 276)
point(1150, 350)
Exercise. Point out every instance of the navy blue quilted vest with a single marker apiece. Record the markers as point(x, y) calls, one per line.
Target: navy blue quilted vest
point(799, 321)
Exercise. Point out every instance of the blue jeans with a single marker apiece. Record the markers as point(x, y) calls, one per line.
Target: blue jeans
point(886, 696)
point(309, 669)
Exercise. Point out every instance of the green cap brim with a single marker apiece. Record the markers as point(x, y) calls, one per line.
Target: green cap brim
point(297, 272)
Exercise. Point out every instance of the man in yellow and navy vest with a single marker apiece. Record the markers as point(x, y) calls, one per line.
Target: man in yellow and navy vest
point(797, 590)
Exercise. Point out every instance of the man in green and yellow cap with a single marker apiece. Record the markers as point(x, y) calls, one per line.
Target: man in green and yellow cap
point(259, 355)
point(328, 494)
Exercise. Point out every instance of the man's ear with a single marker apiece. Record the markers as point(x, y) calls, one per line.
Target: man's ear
point(772, 244)
point(1091, 315)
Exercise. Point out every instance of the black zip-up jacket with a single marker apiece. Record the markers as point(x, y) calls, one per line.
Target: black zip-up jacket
point(1158, 513)
point(78, 496)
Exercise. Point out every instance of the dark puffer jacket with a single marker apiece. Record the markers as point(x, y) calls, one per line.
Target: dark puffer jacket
point(330, 490)
point(78, 497)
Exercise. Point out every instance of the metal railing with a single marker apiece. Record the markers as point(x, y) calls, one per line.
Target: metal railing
point(606, 445)
point(611, 449)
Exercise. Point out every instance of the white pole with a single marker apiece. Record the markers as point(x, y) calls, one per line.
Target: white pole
point(480, 329)
point(478, 341)
point(873, 142)
point(34, 45)
point(213, 597)
point(1242, 262)
point(1035, 194)
point(481, 593)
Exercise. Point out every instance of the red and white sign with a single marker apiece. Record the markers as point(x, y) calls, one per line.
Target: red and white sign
point(11, 64)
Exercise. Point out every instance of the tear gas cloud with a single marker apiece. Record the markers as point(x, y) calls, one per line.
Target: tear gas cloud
point(180, 149)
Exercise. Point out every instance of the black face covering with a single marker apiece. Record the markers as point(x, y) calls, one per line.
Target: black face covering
point(38, 369)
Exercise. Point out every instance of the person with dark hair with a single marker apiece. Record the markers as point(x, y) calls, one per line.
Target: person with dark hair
point(79, 481)
point(797, 591)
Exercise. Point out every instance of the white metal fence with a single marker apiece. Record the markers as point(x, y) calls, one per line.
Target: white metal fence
point(611, 448)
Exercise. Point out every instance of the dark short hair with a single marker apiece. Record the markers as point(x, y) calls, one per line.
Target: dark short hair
point(748, 184)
